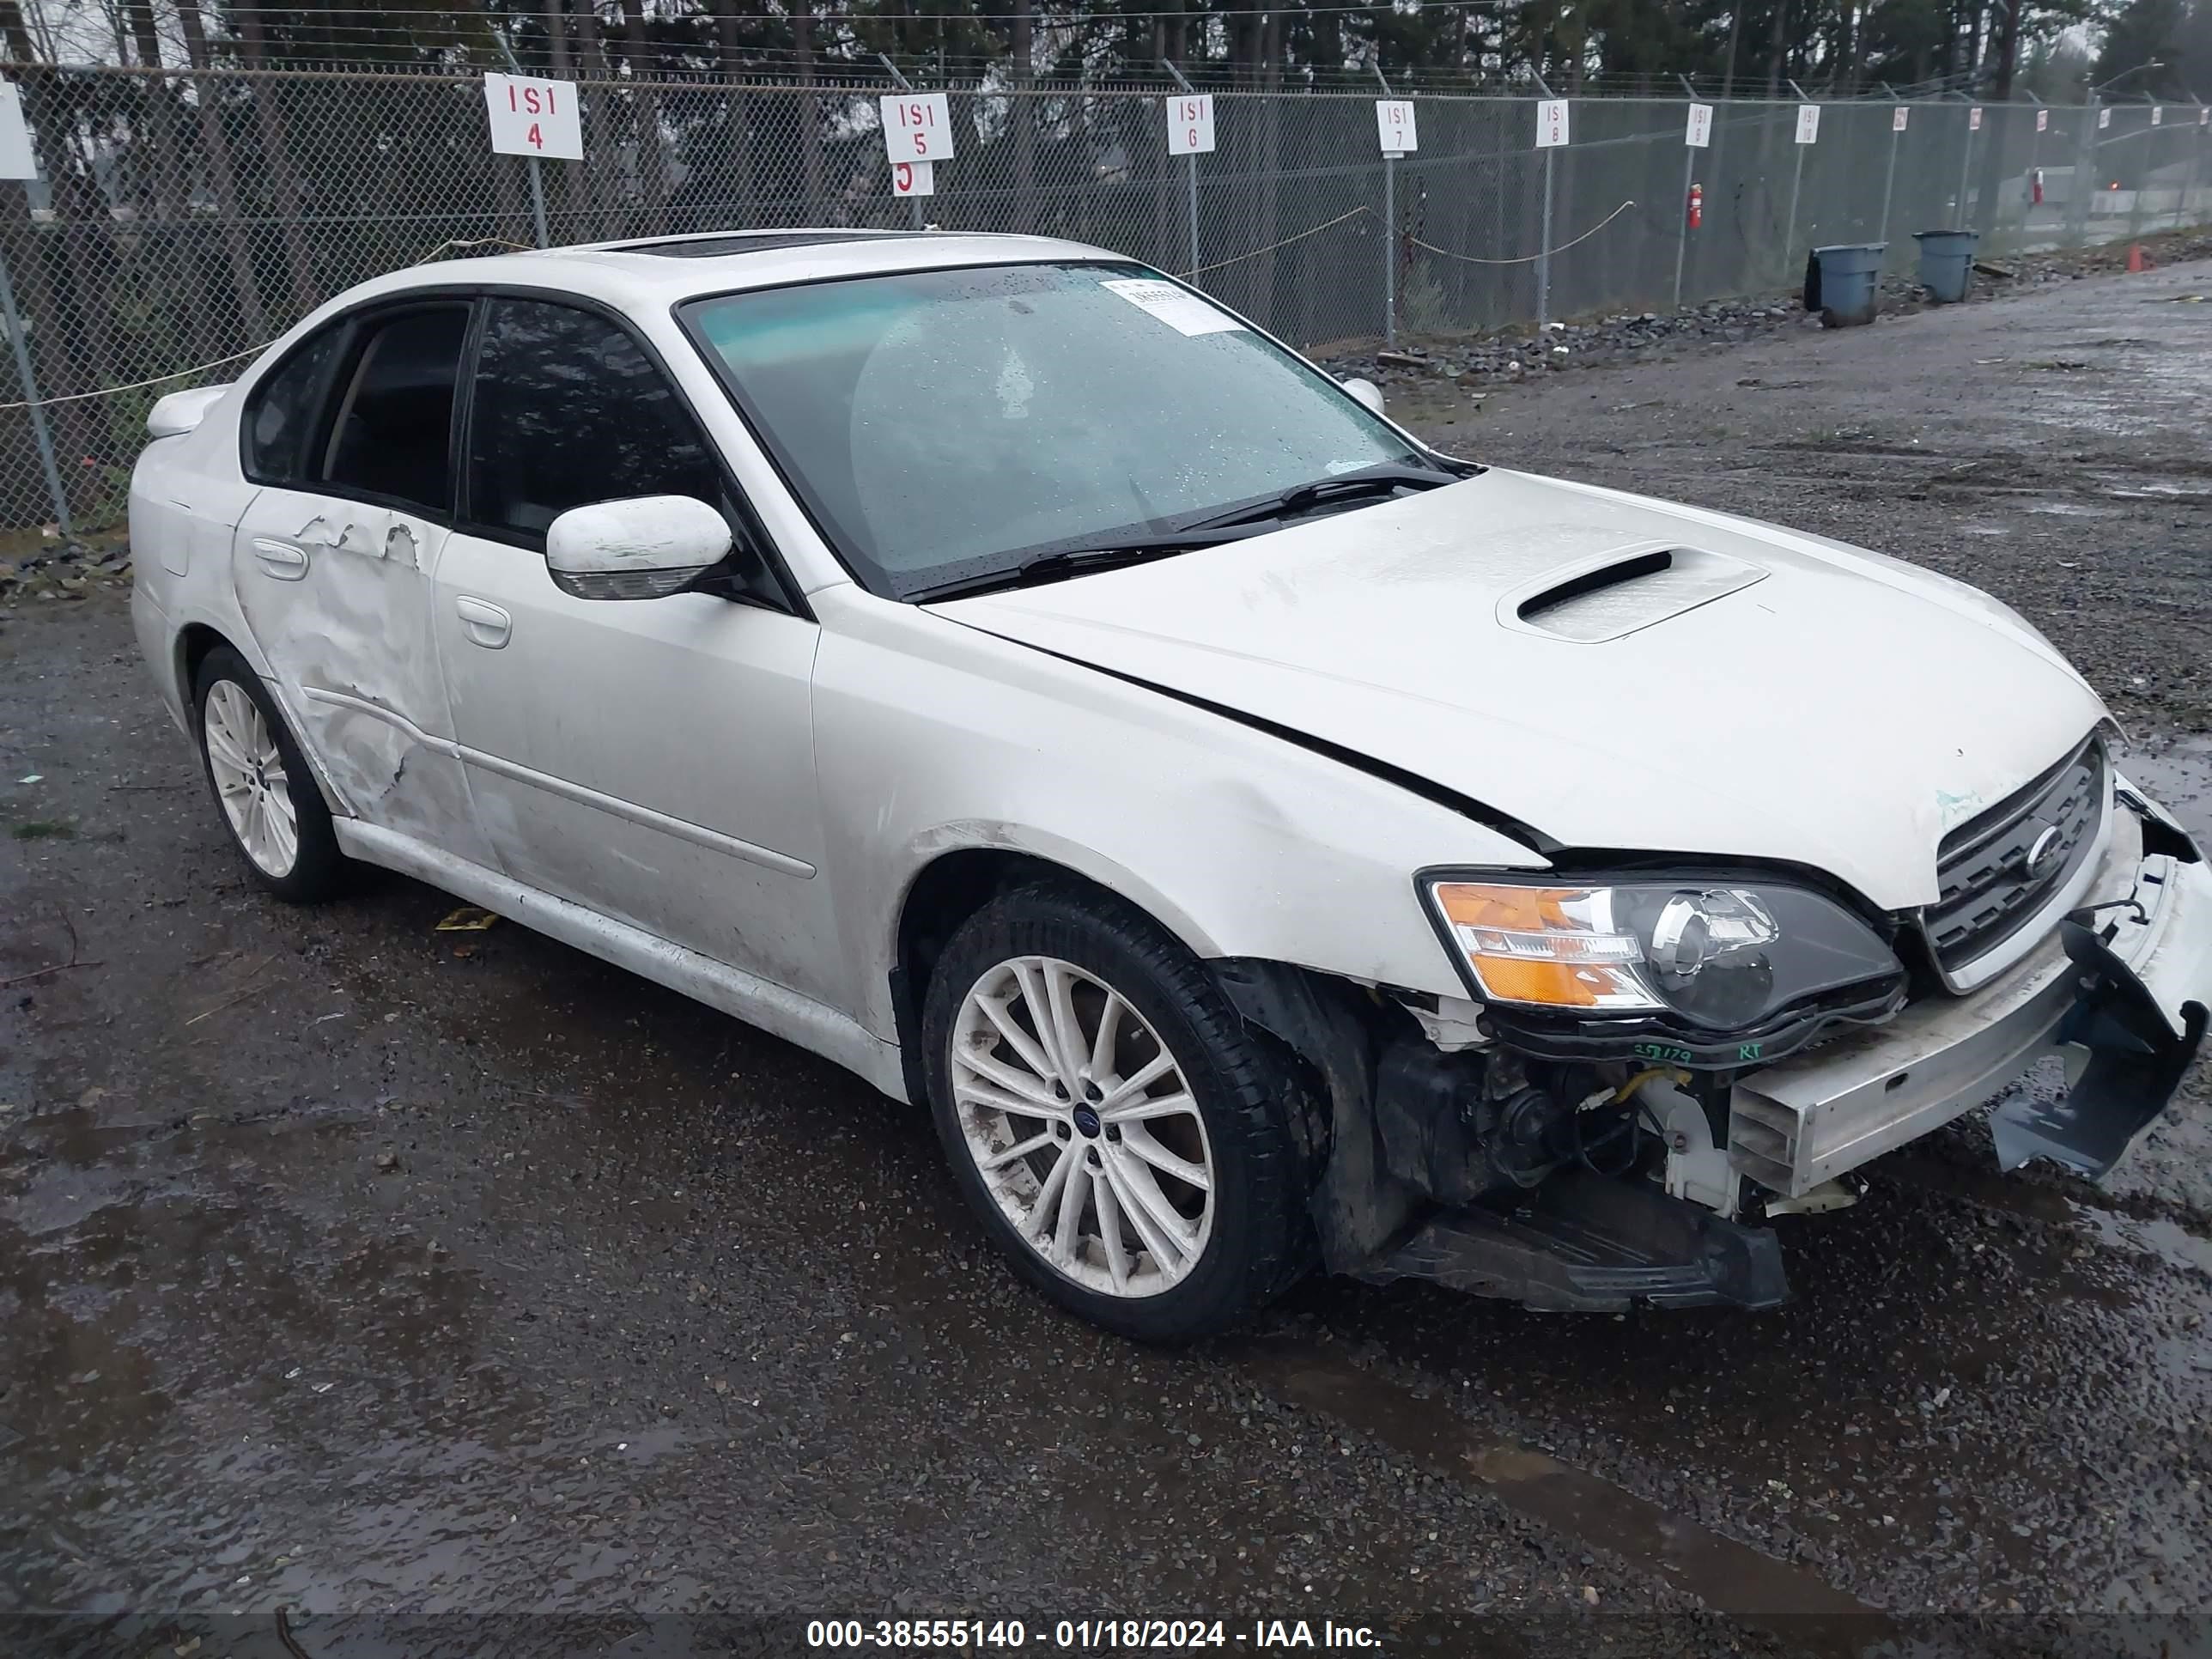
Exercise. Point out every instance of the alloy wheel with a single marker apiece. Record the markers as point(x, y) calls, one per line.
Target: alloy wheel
point(1081, 1122)
point(250, 779)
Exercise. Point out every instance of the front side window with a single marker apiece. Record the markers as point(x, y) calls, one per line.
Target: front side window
point(943, 423)
point(569, 409)
point(392, 432)
point(281, 411)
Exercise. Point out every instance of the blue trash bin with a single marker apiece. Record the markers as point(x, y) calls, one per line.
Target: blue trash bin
point(1840, 282)
point(1947, 263)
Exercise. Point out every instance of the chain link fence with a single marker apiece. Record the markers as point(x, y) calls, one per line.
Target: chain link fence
point(187, 219)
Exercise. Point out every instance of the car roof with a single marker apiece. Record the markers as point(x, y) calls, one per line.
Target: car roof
point(656, 272)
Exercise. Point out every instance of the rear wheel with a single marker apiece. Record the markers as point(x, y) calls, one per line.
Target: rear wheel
point(261, 783)
point(1109, 1117)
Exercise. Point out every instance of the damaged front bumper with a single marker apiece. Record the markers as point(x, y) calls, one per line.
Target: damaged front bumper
point(2120, 989)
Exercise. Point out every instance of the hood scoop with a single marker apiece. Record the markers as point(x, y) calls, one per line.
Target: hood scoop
point(1624, 590)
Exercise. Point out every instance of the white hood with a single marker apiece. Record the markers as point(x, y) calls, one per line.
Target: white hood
point(1813, 704)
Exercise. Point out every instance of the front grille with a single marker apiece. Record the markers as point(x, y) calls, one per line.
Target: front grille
point(1987, 890)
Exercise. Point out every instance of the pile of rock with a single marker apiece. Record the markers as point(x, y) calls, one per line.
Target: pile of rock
point(62, 570)
point(1524, 350)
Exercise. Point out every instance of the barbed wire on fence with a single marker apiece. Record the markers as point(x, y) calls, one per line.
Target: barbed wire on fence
point(184, 216)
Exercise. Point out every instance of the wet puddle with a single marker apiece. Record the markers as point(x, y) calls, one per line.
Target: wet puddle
point(1729, 1577)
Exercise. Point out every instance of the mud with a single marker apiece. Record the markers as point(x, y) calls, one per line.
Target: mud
point(459, 1294)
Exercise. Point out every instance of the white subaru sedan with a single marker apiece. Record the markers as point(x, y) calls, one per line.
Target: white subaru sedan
point(1259, 839)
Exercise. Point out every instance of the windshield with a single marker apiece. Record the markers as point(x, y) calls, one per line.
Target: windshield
point(941, 424)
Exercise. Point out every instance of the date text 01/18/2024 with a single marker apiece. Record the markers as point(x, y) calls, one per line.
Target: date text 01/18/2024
point(1088, 1634)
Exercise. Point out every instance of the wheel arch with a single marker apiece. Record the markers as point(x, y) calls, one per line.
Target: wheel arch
point(195, 642)
point(191, 647)
point(954, 884)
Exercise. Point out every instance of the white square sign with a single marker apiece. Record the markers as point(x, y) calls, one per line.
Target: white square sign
point(2043, 120)
point(1974, 119)
point(1897, 118)
point(530, 116)
point(1551, 123)
point(913, 177)
point(1394, 125)
point(1808, 124)
point(1698, 134)
point(917, 127)
point(2204, 118)
point(2157, 116)
point(17, 158)
point(1190, 124)
point(2103, 119)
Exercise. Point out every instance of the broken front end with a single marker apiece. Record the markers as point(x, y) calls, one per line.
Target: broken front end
point(1656, 1057)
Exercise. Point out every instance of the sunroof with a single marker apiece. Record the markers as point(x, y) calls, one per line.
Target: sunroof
point(753, 241)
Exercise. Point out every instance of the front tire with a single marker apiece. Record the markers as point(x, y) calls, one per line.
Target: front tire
point(266, 796)
point(1109, 1117)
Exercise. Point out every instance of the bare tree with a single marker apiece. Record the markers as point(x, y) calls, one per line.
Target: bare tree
point(277, 156)
point(1024, 77)
point(216, 143)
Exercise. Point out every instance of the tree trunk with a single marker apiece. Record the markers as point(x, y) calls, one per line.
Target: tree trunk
point(276, 156)
point(1271, 145)
point(556, 36)
point(1778, 49)
point(587, 39)
point(810, 114)
point(170, 189)
point(729, 51)
point(1025, 47)
point(216, 143)
point(645, 107)
point(69, 323)
point(2004, 52)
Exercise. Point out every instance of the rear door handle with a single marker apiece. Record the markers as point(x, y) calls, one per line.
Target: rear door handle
point(486, 625)
point(285, 561)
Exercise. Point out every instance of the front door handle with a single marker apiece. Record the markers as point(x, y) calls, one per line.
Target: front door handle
point(486, 625)
point(285, 561)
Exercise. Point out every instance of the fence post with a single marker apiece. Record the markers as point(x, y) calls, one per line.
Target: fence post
point(2143, 172)
point(905, 85)
point(1544, 237)
point(2027, 182)
point(2084, 159)
point(1389, 233)
point(1965, 169)
point(537, 179)
point(1190, 172)
point(1689, 178)
point(2196, 162)
point(1797, 186)
point(32, 406)
point(1889, 178)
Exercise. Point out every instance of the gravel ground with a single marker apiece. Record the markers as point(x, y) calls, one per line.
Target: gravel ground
point(462, 1294)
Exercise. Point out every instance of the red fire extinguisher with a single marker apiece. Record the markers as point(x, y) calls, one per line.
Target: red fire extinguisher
point(1697, 205)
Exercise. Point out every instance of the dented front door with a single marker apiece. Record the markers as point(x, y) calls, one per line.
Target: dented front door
point(337, 594)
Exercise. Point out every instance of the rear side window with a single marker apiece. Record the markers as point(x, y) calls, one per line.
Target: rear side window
point(569, 409)
point(391, 433)
point(281, 411)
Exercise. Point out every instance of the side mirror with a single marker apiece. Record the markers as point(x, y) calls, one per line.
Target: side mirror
point(1366, 391)
point(640, 549)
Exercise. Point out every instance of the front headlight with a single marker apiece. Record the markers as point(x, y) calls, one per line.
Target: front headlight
point(1721, 955)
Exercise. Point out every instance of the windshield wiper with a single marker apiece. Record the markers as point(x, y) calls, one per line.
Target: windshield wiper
point(1383, 480)
point(1108, 553)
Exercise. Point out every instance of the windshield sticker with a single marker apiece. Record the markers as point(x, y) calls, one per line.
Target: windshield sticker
point(1182, 311)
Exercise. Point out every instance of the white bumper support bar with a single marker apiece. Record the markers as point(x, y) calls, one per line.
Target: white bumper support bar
point(2129, 1009)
